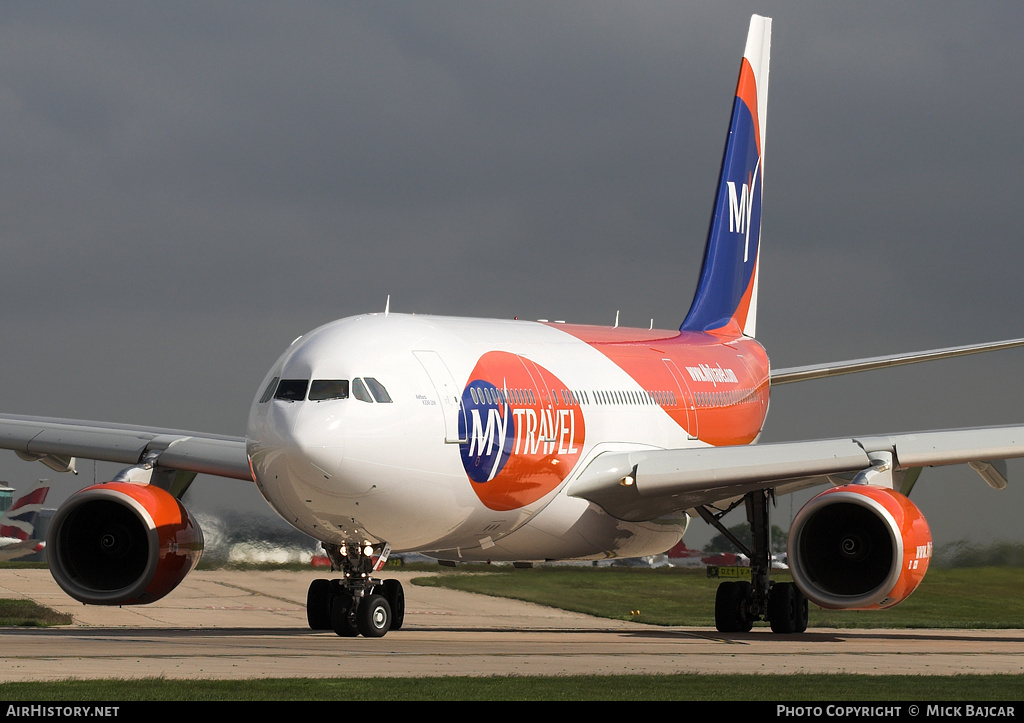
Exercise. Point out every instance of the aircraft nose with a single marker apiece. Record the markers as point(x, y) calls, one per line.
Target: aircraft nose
point(300, 442)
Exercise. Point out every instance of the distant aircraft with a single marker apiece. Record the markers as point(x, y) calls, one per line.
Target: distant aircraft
point(18, 523)
point(489, 439)
point(682, 556)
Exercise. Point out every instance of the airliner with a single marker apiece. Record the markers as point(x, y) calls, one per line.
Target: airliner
point(509, 440)
point(18, 523)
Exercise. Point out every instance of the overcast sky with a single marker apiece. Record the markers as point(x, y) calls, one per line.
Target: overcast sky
point(187, 187)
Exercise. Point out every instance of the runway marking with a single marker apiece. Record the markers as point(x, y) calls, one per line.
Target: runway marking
point(253, 591)
point(475, 637)
point(251, 607)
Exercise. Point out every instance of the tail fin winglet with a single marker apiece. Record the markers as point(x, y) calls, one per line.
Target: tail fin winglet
point(726, 297)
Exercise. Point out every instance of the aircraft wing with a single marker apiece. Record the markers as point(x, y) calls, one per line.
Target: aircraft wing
point(56, 442)
point(819, 371)
point(643, 485)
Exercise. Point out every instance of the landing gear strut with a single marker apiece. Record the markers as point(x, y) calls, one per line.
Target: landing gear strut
point(356, 604)
point(739, 604)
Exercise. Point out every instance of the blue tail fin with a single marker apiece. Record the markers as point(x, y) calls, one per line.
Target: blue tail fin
point(726, 298)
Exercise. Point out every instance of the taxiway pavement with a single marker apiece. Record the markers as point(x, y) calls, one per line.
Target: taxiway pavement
point(236, 625)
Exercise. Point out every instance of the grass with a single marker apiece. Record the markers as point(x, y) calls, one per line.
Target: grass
point(26, 613)
point(948, 598)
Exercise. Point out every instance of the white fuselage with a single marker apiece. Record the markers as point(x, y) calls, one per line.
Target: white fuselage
point(468, 452)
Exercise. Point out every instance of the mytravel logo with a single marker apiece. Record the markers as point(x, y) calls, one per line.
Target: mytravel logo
point(523, 431)
point(741, 208)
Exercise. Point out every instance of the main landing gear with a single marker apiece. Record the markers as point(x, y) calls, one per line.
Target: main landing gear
point(739, 604)
point(356, 604)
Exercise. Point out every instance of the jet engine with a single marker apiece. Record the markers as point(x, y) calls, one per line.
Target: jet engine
point(859, 547)
point(122, 544)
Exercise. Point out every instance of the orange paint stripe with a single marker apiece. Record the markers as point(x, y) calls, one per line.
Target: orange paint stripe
point(746, 90)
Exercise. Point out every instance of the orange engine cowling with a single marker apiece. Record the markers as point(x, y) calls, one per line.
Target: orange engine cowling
point(859, 547)
point(122, 544)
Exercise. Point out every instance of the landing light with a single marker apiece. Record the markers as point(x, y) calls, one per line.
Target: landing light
point(627, 481)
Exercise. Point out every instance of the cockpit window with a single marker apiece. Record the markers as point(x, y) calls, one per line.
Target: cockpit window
point(292, 390)
point(366, 389)
point(269, 391)
point(359, 391)
point(324, 389)
point(380, 394)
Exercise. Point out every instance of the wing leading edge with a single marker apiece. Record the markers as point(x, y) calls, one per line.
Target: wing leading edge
point(644, 485)
point(820, 371)
point(56, 442)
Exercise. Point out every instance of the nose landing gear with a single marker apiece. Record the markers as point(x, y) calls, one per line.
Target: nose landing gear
point(356, 604)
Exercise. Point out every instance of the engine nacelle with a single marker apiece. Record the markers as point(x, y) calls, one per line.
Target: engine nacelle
point(122, 544)
point(859, 547)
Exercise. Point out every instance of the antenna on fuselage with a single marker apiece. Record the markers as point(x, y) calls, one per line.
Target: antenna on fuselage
point(387, 305)
point(616, 318)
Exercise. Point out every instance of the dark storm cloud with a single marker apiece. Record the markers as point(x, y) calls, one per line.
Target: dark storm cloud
point(186, 187)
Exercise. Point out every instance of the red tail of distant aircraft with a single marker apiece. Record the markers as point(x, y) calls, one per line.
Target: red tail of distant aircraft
point(484, 439)
point(18, 523)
